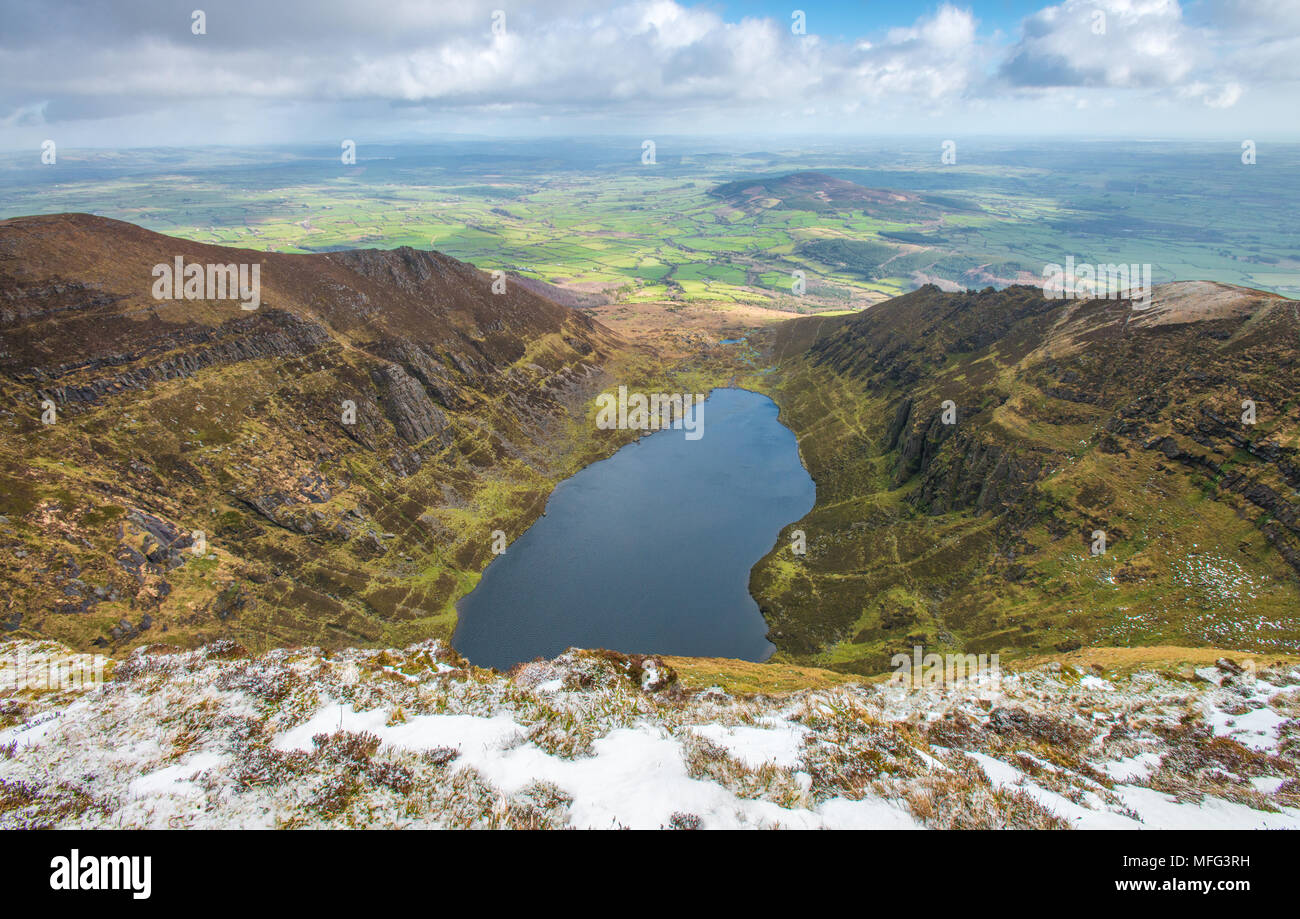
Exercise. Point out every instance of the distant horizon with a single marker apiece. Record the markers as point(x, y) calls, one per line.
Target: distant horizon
point(328, 146)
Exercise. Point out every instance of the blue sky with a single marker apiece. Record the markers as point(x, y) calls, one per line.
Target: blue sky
point(862, 17)
point(140, 74)
point(855, 18)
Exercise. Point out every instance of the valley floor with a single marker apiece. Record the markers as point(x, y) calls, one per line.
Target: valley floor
point(305, 738)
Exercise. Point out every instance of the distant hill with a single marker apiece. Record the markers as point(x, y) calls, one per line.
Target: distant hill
point(179, 417)
point(819, 192)
point(1071, 419)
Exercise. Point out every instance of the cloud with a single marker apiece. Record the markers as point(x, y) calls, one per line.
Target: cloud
point(1111, 43)
point(1151, 45)
point(936, 59)
point(1225, 96)
point(323, 66)
point(578, 58)
point(1258, 40)
point(24, 116)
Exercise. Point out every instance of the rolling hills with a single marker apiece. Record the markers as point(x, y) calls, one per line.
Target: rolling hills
point(818, 192)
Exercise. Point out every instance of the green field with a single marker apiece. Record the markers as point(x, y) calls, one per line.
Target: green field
point(590, 217)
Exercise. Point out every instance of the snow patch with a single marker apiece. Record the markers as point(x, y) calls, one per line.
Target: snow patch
point(781, 744)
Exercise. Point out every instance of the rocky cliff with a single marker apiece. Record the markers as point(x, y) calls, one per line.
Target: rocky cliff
point(325, 468)
point(1001, 471)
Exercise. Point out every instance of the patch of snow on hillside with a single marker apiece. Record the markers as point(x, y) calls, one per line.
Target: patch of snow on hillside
point(779, 744)
point(298, 738)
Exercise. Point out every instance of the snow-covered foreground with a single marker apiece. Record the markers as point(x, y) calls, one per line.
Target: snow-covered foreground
point(215, 738)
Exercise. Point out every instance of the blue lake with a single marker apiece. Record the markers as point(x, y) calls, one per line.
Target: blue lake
point(649, 550)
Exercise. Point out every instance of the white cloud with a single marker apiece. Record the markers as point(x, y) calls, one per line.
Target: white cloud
point(938, 58)
point(1256, 39)
point(619, 66)
point(1224, 96)
point(1135, 44)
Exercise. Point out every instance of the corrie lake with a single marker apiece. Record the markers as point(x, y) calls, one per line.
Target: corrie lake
point(649, 550)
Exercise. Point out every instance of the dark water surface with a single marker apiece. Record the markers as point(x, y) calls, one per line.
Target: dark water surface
point(650, 550)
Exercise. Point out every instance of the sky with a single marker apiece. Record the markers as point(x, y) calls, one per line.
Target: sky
point(141, 74)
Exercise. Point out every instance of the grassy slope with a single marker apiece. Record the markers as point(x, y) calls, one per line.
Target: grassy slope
point(894, 561)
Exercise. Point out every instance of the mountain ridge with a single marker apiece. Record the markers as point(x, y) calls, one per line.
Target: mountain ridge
point(1070, 417)
point(176, 417)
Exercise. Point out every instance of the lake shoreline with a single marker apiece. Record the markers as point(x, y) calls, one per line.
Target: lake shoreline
point(678, 582)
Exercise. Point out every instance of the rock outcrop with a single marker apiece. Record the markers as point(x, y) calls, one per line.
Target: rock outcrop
point(407, 403)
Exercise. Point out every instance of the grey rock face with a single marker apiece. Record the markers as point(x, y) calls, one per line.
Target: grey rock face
point(409, 407)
